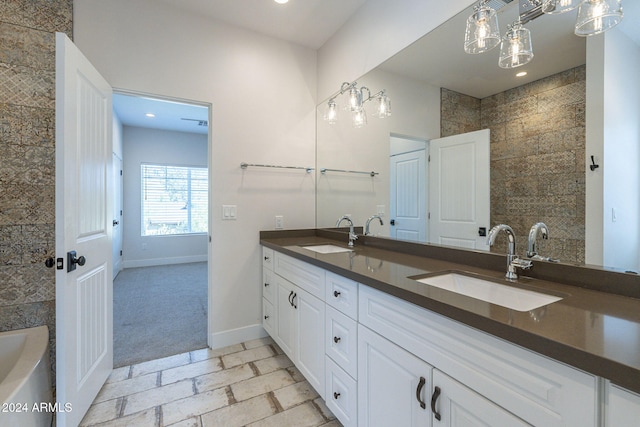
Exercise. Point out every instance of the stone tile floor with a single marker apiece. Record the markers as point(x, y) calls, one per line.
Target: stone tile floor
point(249, 384)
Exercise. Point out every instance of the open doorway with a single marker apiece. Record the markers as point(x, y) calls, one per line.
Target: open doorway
point(160, 229)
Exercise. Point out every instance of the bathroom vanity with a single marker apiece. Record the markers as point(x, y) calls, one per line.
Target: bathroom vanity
point(384, 347)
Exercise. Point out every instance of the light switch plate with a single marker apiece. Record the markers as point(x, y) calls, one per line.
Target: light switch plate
point(279, 222)
point(229, 212)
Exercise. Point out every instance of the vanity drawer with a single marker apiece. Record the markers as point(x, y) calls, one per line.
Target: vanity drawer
point(308, 277)
point(342, 294)
point(267, 257)
point(341, 342)
point(341, 394)
point(268, 285)
point(268, 317)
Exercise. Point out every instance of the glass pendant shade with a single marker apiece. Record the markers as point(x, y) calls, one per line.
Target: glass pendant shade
point(516, 49)
point(597, 16)
point(383, 107)
point(355, 100)
point(359, 118)
point(482, 32)
point(559, 6)
point(331, 113)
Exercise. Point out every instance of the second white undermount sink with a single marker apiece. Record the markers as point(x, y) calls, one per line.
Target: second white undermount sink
point(495, 293)
point(327, 249)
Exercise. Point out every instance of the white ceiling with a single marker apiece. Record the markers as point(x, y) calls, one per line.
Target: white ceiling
point(309, 23)
point(437, 58)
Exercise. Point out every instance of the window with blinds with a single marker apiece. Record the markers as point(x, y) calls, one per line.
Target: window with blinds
point(174, 200)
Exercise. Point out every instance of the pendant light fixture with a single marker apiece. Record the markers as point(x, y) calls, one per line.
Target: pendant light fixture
point(356, 99)
point(594, 17)
point(597, 16)
point(516, 49)
point(559, 6)
point(482, 33)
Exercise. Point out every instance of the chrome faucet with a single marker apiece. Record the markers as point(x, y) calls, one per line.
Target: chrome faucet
point(512, 259)
point(352, 235)
point(542, 229)
point(366, 227)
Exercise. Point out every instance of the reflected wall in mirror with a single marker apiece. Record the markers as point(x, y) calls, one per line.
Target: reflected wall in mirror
point(543, 126)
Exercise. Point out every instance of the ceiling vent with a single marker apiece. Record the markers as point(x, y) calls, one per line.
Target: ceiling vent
point(204, 123)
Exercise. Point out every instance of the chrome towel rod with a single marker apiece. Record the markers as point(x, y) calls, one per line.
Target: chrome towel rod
point(372, 173)
point(246, 165)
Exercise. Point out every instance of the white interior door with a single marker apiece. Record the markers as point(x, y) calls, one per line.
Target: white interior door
point(84, 295)
point(117, 214)
point(459, 194)
point(408, 196)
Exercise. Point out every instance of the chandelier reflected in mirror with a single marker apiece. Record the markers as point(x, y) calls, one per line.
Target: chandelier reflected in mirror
point(356, 99)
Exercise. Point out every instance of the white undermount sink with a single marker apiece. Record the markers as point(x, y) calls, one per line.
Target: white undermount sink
point(327, 249)
point(494, 293)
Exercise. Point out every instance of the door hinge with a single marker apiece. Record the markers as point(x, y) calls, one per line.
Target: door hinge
point(120, 253)
point(429, 215)
point(429, 158)
point(120, 172)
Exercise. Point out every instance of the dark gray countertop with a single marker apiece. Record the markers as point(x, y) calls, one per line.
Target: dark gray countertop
point(598, 332)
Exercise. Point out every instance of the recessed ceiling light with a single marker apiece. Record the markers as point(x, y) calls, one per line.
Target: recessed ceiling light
point(281, 1)
point(521, 74)
point(150, 115)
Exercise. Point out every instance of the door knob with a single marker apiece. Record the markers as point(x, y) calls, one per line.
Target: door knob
point(115, 222)
point(73, 259)
point(392, 222)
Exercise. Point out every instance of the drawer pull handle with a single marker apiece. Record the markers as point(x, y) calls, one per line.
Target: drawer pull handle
point(419, 391)
point(434, 399)
point(336, 395)
point(336, 294)
point(291, 298)
point(336, 340)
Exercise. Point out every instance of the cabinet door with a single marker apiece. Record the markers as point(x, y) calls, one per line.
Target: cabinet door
point(455, 405)
point(393, 384)
point(310, 312)
point(285, 333)
point(622, 407)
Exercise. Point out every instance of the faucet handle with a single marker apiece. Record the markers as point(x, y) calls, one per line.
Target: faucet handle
point(524, 264)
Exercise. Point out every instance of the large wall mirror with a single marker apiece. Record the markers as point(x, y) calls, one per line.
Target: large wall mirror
point(469, 145)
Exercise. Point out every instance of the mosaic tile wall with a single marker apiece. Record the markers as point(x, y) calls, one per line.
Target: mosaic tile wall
point(537, 157)
point(27, 159)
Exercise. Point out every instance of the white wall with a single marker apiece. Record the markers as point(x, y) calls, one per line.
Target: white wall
point(379, 30)
point(621, 164)
point(160, 147)
point(263, 95)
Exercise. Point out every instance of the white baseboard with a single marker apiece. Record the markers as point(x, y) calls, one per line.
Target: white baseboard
point(236, 336)
point(163, 261)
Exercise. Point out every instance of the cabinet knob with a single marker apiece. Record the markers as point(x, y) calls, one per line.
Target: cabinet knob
point(266, 317)
point(336, 340)
point(336, 294)
point(266, 284)
point(336, 395)
point(266, 258)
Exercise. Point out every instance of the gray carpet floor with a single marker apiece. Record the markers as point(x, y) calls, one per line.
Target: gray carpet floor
point(158, 312)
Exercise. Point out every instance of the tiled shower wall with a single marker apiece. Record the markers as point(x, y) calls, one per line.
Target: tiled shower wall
point(27, 159)
point(537, 157)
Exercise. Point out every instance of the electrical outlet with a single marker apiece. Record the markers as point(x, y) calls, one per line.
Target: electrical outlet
point(279, 222)
point(380, 210)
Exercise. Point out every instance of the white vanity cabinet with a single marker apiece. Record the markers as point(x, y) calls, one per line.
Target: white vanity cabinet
point(622, 407)
point(298, 321)
point(394, 386)
point(536, 389)
point(378, 360)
